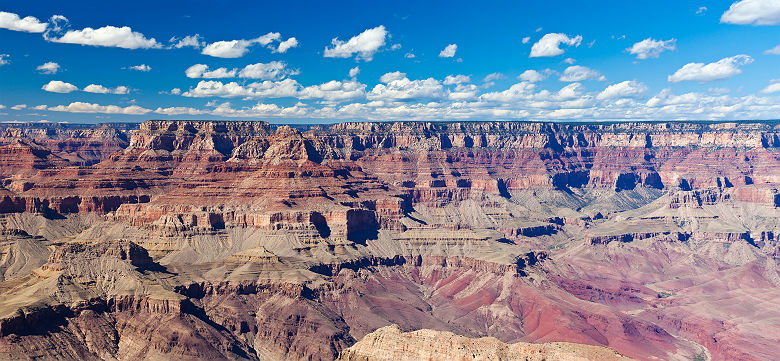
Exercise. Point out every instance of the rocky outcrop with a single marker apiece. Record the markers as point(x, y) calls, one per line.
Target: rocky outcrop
point(243, 240)
point(390, 343)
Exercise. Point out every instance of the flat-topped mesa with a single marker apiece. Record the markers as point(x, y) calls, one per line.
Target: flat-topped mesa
point(172, 135)
point(254, 127)
point(539, 135)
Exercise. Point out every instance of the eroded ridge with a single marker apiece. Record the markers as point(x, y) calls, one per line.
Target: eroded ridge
point(245, 240)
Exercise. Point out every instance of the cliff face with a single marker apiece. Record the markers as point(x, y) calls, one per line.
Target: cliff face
point(259, 242)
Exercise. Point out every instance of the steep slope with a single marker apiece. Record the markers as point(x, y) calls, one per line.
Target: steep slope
point(241, 240)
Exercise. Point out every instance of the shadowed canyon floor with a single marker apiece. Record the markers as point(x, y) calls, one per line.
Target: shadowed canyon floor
point(196, 240)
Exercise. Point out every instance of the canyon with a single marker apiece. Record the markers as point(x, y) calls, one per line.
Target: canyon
point(191, 240)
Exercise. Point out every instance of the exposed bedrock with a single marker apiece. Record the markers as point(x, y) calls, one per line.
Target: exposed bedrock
point(197, 240)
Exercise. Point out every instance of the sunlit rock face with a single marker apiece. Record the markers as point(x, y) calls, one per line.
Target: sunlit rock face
point(199, 240)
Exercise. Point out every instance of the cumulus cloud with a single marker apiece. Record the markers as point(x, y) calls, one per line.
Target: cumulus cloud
point(388, 77)
point(701, 10)
point(109, 36)
point(550, 44)
point(651, 48)
point(519, 91)
point(398, 87)
point(456, 79)
point(334, 91)
point(266, 89)
point(180, 111)
point(19, 107)
point(56, 86)
point(753, 12)
point(532, 76)
point(365, 45)
point(48, 68)
point(202, 71)
point(773, 51)
point(580, 73)
point(238, 48)
point(4, 59)
point(773, 87)
point(721, 69)
point(626, 89)
point(191, 41)
point(354, 72)
point(82, 107)
point(526, 39)
point(448, 51)
point(286, 45)
point(27, 24)
point(142, 67)
point(267, 71)
point(99, 89)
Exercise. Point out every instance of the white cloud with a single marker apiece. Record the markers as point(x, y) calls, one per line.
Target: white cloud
point(463, 92)
point(456, 79)
point(569, 61)
point(238, 48)
point(532, 76)
point(202, 71)
point(580, 73)
point(110, 36)
point(142, 67)
point(526, 39)
point(99, 89)
point(267, 71)
point(334, 91)
point(550, 44)
point(192, 41)
point(19, 107)
point(266, 89)
point(180, 111)
point(48, 68)
point(212, 88)
point(4, 59)
point(773, 87)
point(388, 77)
point(82, 107)
point(285, 45)
point(773, 51)
point(365, 45)
point(354, 72)
point(401, 88)
point(651, 48)
point(56, 86)
point(410, 56)
point(753, 12)
point(492, 77)
point(519, 91)
point(701, 10)
point(28, 24)
point(626, 89)
point(721, 69)
point(448, 51)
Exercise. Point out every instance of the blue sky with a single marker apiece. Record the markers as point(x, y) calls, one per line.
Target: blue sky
point(89, 61)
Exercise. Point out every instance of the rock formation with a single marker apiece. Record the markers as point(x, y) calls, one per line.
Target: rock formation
point(243, 240)
point(390, 344)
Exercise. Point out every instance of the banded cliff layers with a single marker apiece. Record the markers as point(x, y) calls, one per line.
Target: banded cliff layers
point(240, 240)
